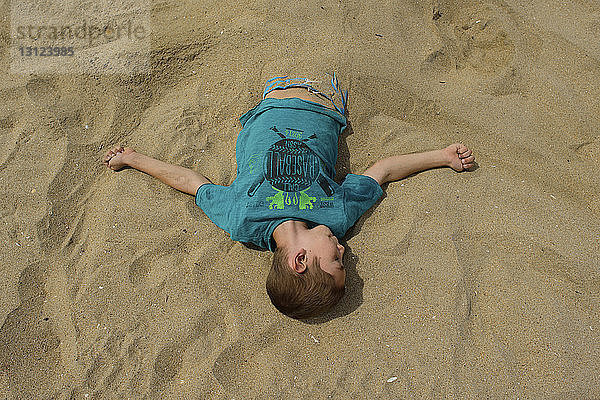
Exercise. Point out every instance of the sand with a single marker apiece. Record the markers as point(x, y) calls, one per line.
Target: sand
point(464, 286)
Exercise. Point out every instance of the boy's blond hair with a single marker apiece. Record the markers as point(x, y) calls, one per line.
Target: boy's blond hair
point(302, 295)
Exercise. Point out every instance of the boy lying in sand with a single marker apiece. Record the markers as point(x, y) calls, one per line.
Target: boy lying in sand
point(284, 197)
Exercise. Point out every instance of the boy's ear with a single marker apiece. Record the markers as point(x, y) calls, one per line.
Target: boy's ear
point(299, 261)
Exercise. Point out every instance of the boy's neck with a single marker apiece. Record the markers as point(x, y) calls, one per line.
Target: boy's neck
point(286, 232)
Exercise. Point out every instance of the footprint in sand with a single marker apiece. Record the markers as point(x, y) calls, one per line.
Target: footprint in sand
point(11, 138)
point(151, 267)
point(407, 105)
point(472, 35)
point(120, 359)
point(69, 187)
point(189, 121)
point(207, 331)
point(140, 268)
point(57, 110)
point(191, 138)
point(228, 368)
point(508, 82)
point(28, 341)
point(115, 358)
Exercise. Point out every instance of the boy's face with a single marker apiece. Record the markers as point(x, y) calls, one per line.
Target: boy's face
point(325, 247)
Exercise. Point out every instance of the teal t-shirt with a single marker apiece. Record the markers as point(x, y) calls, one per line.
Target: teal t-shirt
point(286, 154)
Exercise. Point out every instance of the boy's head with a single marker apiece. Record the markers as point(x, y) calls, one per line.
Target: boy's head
point(307, 278)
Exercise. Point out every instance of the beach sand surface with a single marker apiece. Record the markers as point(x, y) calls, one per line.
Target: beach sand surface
point(482, 284)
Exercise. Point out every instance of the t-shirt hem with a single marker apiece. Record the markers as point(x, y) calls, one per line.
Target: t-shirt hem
point(198, 191)
point(307, 105)
point(373, 187)
point(374, 181)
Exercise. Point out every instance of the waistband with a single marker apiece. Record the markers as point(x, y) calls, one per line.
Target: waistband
point(328, 87)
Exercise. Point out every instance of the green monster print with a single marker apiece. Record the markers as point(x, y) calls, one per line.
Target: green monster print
point(281, 198)
point(291, 167)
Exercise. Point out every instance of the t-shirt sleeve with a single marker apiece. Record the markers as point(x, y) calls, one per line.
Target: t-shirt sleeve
point(360, 193)
point(216, 202)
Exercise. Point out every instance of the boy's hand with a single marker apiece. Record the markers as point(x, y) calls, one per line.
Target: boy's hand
point(116, 158)
point(459, 157)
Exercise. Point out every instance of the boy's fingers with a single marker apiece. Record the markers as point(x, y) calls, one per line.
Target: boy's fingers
point(111, 153)
point(465, 153)
point(468, 160)
point(108, 156)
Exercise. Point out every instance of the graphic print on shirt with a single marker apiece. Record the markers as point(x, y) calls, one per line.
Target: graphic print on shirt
point(291, 168)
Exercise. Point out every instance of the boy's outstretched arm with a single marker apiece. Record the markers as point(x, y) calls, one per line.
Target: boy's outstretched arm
point(456, 156)
point(180, 178)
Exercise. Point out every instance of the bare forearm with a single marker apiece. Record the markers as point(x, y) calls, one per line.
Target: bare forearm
point(180, 178)
point(399, 167)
